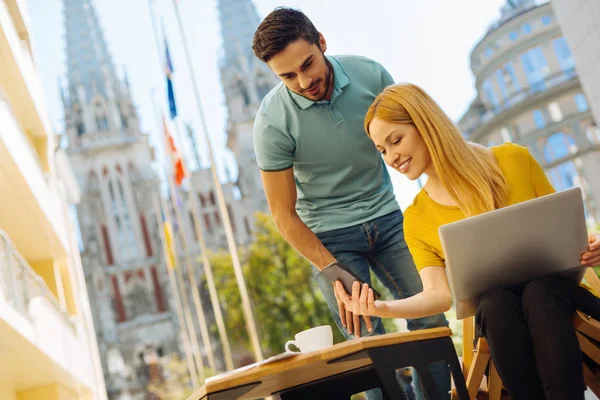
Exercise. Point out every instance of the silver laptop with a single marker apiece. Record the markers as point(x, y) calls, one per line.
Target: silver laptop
point(513, 245)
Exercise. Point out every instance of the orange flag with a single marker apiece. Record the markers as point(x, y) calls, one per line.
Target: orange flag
point(176, 159)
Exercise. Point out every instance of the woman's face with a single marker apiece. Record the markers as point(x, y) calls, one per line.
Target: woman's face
point(402, 147)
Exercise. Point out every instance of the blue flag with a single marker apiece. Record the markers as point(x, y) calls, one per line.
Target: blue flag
point(170, 90)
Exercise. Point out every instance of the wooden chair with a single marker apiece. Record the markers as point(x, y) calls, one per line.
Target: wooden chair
point(476, 360)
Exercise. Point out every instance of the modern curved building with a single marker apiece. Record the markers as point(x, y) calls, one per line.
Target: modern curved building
point(529, 93)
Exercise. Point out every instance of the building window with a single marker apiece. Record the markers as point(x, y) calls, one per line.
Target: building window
point(563, 176)
point(130, 244)
point(555, 112)
point(505, 134)
point(202, 200)
point(502, 84)
point(138, 299)
point(563, 53)
point(207, 222)
point(592, 132)
point(536, 68)
point(101, 120)
point(489, 93)
point(513, 35)
point(539, 119)
point(212, 198)
point(546, 20)
point(217, 218)
point(526, 29)
point(581, 102)
point(510, 77)
point(79, 122)
point(559, 145)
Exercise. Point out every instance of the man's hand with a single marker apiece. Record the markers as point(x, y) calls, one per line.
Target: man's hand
point(350, 320)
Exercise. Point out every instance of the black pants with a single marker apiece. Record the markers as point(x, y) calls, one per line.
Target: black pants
point(532, 340)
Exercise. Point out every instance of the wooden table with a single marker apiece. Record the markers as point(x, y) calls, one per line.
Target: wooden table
point(344, 364)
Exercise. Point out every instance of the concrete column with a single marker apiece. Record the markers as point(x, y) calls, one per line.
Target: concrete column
point(580, 24)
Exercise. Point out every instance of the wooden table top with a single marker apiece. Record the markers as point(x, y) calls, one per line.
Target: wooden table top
point(264, 380)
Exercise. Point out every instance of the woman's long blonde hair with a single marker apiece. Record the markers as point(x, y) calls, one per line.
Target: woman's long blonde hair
point(468, 171)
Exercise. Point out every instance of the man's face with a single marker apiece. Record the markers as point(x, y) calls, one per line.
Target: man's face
point(304, 69)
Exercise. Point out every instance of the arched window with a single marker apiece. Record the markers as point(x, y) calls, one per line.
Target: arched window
point(559, 145)
point(138, 300)
point(129, 243)
point(79, 126)
point(101, 120)
point(243, 92)
point(564, 176)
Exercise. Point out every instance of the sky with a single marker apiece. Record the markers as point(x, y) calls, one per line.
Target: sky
point(426, 42)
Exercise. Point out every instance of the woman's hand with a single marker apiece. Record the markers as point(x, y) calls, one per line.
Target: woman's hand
point(591, 257)
point(362, 302)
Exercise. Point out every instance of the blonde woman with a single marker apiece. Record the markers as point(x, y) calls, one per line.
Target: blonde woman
point(528, 326)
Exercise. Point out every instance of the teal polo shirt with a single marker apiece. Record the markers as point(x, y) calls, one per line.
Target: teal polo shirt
point(341, 179)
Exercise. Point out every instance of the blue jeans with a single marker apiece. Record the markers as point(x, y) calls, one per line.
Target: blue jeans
point(379, 245)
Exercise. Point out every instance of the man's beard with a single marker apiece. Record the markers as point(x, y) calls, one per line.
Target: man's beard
point(328, 81)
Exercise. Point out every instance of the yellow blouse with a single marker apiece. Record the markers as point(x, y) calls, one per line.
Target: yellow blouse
point(526, 180)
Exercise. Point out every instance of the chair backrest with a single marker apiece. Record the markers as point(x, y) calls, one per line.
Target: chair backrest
point(592, 280)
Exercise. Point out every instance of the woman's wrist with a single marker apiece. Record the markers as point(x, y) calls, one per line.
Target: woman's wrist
point(381, 308)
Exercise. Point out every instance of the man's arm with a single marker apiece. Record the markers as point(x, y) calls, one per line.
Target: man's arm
point(280, 190)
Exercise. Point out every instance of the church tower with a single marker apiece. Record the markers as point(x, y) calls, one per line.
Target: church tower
point(246, 80)
point(122, 260)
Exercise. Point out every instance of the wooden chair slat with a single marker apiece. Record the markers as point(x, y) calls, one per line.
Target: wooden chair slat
point(495, 383)
point(592, 280)
point(478, 366)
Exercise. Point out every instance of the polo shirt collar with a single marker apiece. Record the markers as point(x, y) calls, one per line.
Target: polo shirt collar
point(340, 81)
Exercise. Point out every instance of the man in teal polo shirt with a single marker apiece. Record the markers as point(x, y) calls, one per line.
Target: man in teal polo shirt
point(326, 184)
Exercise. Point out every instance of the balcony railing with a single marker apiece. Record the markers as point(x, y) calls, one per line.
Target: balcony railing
point(518, 97)
point(19, 283)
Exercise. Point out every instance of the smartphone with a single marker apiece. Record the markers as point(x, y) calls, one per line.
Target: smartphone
point(335, 272)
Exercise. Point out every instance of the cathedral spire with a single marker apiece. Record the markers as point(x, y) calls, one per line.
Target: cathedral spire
point(88, 61)
point(239, 19)
point(99, 110)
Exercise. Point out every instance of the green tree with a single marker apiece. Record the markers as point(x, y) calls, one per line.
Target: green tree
point(285, 297)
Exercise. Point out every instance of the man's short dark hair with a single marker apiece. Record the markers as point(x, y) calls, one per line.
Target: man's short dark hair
point(281, 27)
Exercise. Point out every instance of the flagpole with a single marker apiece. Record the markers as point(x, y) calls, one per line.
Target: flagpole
point(186, 301)
point(184, 337)
point(193, 281)
point(203, 248)
point(214, 298)
point(186, 305)
point(246, 305)
point(211, 285)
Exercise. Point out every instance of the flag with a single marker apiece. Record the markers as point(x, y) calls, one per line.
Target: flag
point(178, 169)
point(170, 90)
point(169, 244)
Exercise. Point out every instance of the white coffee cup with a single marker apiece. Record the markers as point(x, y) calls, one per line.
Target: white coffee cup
point(312, 339)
